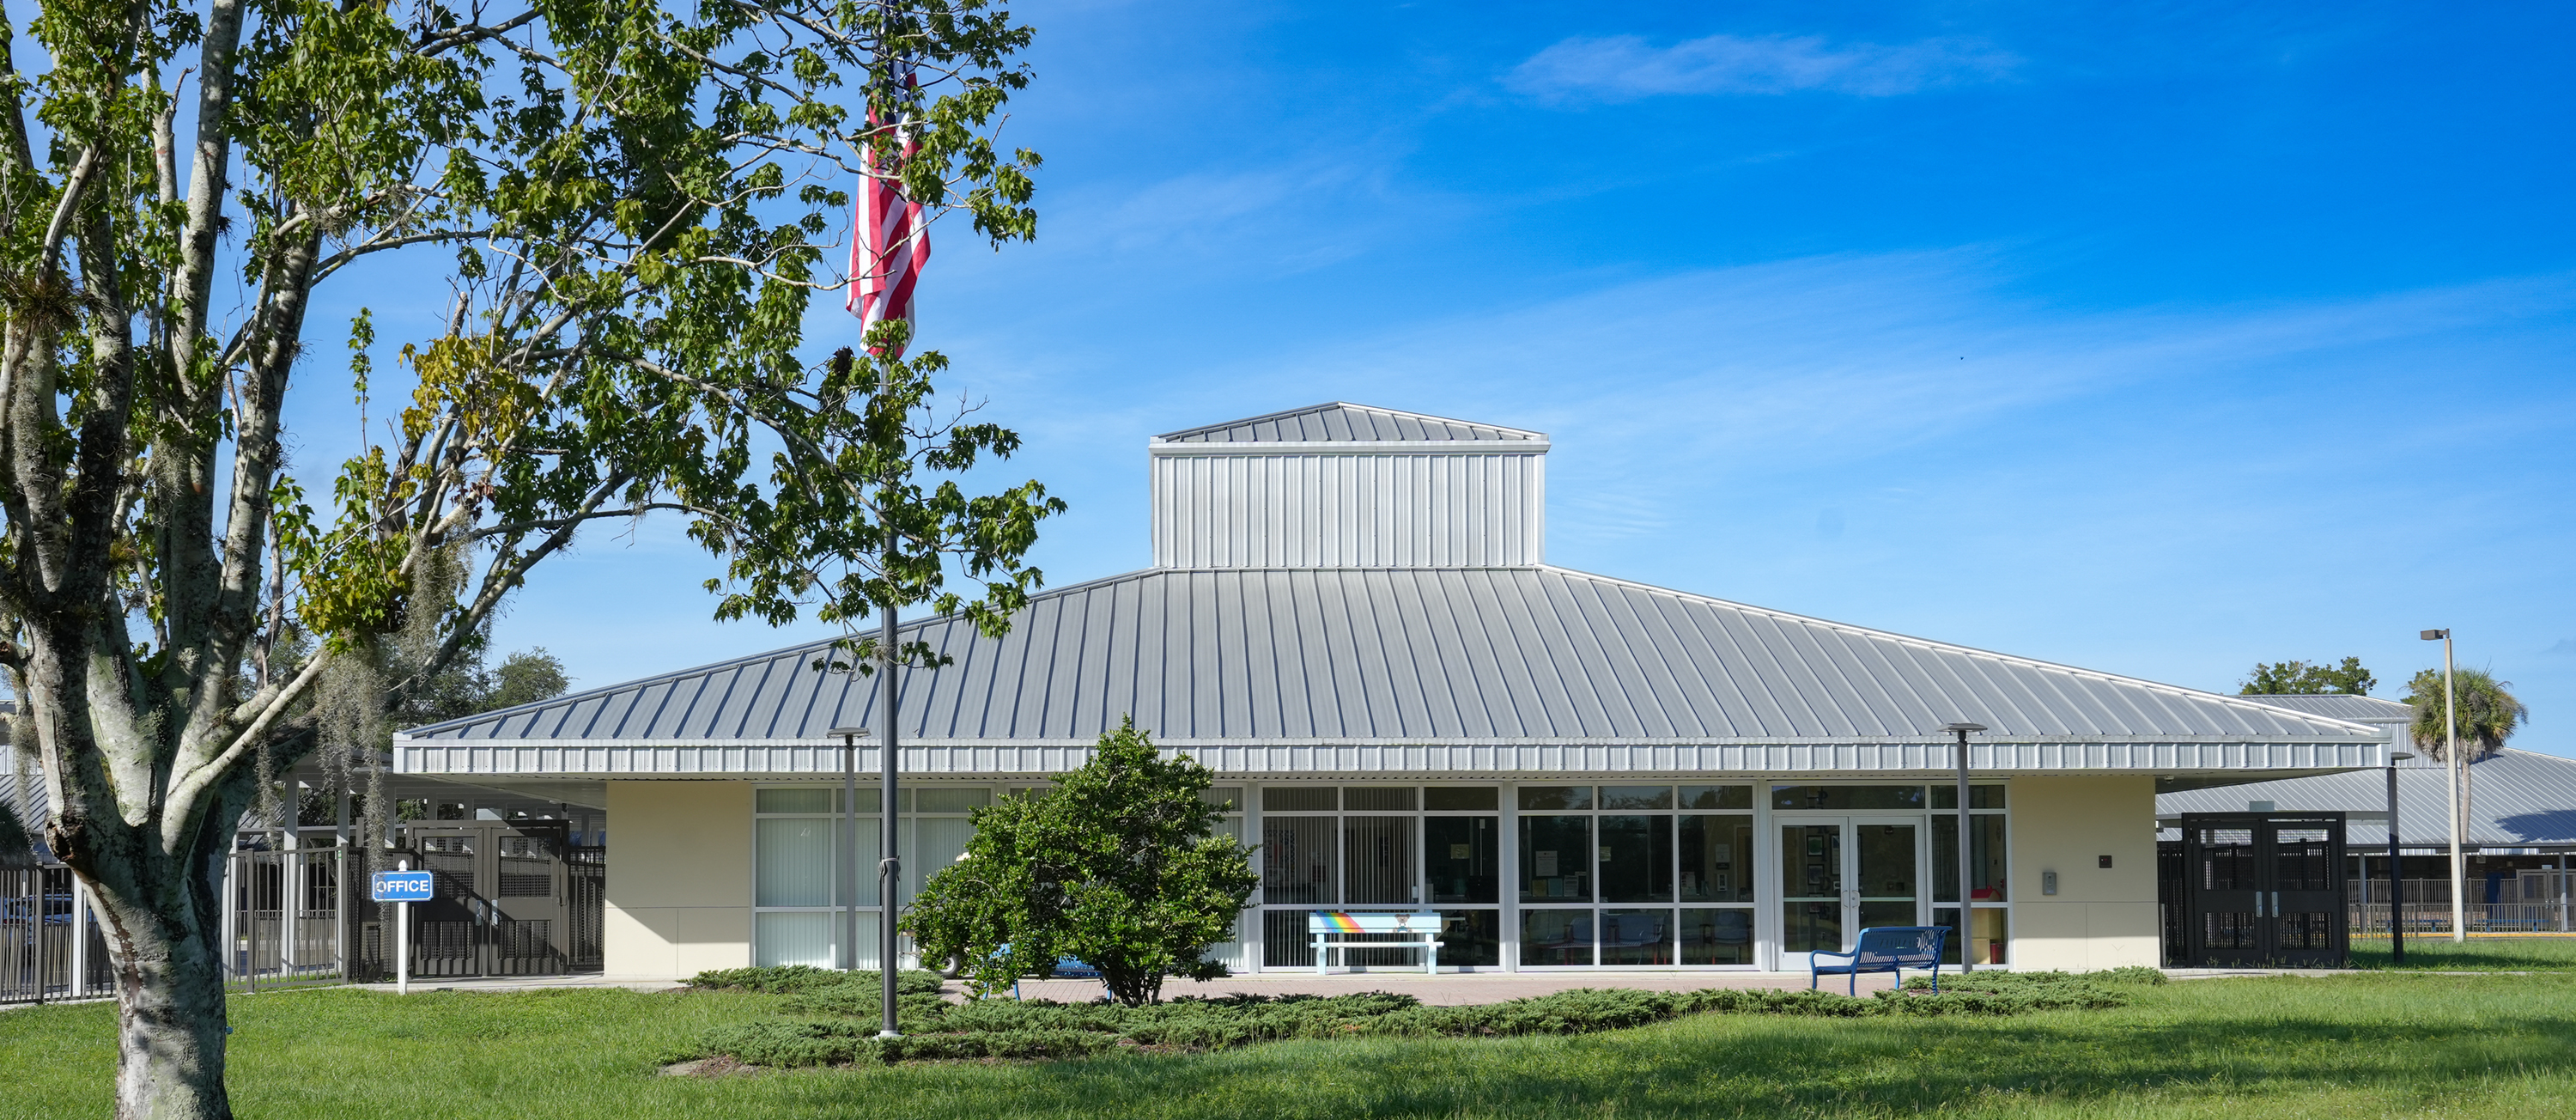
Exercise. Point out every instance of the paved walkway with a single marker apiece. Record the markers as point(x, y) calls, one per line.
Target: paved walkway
point(1450, 988)
point(1444, 989)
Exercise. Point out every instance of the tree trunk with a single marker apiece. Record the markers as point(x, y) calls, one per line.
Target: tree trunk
point(170, 1016)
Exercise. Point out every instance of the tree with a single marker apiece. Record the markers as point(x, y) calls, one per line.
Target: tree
point(2488, 714)
point(1120, 866)
point(525, 677)
point(633, 209)
point(2300, 678)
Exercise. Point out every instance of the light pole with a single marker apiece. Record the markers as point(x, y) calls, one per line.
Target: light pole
point(2396, 877)
point(847, 882)
point(889, 868)
point(2451, 756)
point(1967, 894)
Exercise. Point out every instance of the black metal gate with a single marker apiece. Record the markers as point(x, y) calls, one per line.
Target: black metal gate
point(2247, 890)
point(501, 900)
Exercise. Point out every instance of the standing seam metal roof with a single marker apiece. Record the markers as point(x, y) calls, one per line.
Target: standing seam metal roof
point(2515, 797)
point(1414, 655)
point(1343, 422)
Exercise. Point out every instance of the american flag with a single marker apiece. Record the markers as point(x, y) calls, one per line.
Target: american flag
point(891, 242)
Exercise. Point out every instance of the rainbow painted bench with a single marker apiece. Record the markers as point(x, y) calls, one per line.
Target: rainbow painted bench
point(1421, 925)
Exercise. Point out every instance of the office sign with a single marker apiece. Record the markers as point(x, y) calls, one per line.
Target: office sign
point(401, 886)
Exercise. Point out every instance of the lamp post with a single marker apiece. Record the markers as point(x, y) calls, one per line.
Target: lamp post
point(1967, 893)
point(889, 835)
point(847, 882)
point(2396, 877)
point(2451, 756)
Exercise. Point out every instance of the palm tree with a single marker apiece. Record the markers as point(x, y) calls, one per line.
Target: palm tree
point(2488, 715)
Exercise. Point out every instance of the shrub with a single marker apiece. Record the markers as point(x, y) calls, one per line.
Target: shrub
point(807, 978)
point(997, 1028)
point(1120, 865)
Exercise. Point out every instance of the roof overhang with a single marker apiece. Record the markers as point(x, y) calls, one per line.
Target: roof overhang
point(2195, 763)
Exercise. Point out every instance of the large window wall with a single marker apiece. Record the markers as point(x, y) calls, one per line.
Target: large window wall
point(797, 851)
point(797, 904)
point(1525, 876)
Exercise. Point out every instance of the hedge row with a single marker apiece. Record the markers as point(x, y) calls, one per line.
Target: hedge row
point(777, 979)
point(997, 1028)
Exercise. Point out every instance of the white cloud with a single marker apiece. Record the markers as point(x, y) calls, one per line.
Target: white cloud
point(1626, 68)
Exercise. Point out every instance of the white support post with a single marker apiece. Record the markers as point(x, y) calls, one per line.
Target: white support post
point(290, 888)
point(402, 940)
point(80, 938)
point(229, 907)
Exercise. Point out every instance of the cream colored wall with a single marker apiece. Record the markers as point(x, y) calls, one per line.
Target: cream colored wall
point(2099, 918)
point(679, 878)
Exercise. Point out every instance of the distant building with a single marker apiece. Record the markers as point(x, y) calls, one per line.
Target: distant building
point(1350, 618)
point(2522, 812)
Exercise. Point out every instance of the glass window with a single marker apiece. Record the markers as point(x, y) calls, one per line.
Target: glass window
point(1636, 937)
point(1378, 859)
point(794, 858)
point(794, 938)
point(1556, 859)
point(1717, 859)
point(1462, 798)
point(1471, 938)
point(1556, 937)
point(815, 800)
point(1717, 936)
point(952, 800)
point(1636, 854)
point(1556, 797)
point(1987, 939)
point(1297, 859)
point(1378, 799)
point(1717, 797)
point(1847, 797)
point(1229, 798)
point(942, 841)
point(1985, 855)
point(1946, 796)
point(1463, 858)
point(1298, 799)
point(1636, 797)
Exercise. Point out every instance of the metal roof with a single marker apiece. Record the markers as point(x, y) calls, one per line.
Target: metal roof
point(2515, 798)
point(2358, 709)
point(1343, 422)
point(1320, 660)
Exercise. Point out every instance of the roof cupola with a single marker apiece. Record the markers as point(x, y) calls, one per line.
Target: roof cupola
point(1349, 486)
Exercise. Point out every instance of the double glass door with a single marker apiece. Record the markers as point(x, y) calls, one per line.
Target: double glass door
point(1840, 875)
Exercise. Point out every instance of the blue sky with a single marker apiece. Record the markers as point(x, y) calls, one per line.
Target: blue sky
point(2153, 339)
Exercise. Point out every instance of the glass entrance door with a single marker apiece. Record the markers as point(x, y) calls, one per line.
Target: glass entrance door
point(1839, 875)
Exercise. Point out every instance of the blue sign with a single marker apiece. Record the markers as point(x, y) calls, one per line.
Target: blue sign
point(401, 886)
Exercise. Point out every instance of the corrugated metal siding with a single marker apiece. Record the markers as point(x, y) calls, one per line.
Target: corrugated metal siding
point(1448, 658)
point(2516, 797)
point(1341, 421)
point(1355, 510)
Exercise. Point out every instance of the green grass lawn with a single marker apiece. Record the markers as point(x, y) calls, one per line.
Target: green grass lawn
point(2370, 1045)
point(2437, 953)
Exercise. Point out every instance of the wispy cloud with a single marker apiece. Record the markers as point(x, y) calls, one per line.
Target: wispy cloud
point(1627, 68)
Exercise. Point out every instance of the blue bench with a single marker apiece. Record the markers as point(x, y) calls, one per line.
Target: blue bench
point(1884, 949)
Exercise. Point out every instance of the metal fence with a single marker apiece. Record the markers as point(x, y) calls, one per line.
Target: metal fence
point(282, 917)
point(2371, 919)
point(50, 944)
point(291, 916)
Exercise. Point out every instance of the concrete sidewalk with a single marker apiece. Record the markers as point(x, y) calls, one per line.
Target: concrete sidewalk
point(1455, 988)
point(1442, 990)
